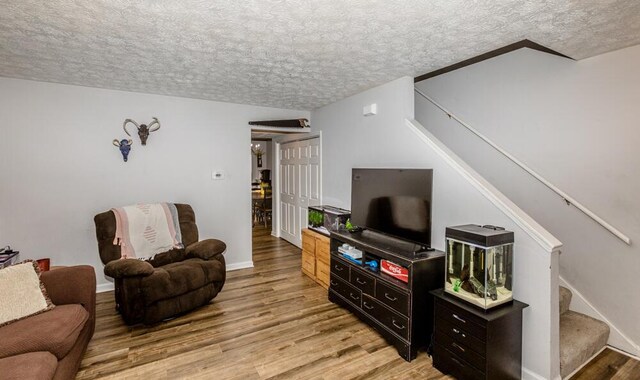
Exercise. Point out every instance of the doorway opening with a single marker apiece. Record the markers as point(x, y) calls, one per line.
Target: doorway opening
point(285, 181)
point(261, 184)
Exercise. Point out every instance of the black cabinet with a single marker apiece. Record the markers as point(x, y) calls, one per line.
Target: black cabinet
point(402, 312)
point(470, 343)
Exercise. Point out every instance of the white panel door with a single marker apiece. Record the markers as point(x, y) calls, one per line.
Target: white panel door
point(286, 192)
point(315, 186)
point(300, 186)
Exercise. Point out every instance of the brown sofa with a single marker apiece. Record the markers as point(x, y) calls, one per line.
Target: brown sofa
point(51, 345)
point(171, 284)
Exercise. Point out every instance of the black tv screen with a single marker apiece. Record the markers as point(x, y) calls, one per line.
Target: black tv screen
point(393, 201)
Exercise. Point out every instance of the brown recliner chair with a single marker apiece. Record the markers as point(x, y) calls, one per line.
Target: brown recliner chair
point(170, 284)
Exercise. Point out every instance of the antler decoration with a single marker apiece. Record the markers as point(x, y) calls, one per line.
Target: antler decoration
point(155, 121)
point(124, 125)
point(143, 129)
point(125, 147)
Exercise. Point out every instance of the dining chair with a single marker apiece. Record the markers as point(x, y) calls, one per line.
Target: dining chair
point(264, 206)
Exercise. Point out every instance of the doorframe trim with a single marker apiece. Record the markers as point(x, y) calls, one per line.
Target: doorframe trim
point(275, 217)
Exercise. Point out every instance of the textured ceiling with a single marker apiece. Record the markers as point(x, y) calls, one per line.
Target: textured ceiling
point(286, 53)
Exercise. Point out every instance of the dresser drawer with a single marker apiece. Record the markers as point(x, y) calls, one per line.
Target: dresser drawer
point(308, 263)
point(395, 322)
point(340, 269)
point(393, 297)
point(322, 273)
point(461, 319)
point(449, 363)
point(459, 334)
point(321, 239)
point(347, 291)
point(459, 349)
point(363, 281)
point(371, 306)
point(322, 251)
point(308, 241)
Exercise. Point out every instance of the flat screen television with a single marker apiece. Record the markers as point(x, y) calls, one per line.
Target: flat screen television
point(396, 202)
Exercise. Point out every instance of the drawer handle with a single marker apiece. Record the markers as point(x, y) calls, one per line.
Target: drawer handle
point(458, 347)
point(399, 327)
point(366, 305)
point(333, 283)
point(355, 298)
point(458, 318)
point(338, 268)
point(359, 281)
point(458, 332)
point(457, 361)
point(390, 298)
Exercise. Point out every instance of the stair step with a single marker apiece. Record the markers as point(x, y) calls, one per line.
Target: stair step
point(580, 338)
point(565, 299)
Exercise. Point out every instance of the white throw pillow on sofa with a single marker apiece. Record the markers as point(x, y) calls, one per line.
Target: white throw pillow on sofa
point(22, 292)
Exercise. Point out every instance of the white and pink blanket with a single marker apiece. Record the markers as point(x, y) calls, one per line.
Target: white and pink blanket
point(144, 230)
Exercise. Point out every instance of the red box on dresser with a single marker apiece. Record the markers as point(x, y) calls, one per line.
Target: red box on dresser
point(394, 270)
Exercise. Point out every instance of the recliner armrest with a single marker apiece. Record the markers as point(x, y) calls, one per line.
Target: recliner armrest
point(206, 249)
point(128, 268)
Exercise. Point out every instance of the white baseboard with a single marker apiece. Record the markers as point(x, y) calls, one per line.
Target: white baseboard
point(530, 375)
point(240, 265)
point(634, 357)
point(617, 339)
point(101, 288)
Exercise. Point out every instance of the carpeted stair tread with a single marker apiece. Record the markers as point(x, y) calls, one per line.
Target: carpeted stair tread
point(565, 299)
point(580, 338)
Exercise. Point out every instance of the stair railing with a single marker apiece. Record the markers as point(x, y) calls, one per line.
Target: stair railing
point(565, 197)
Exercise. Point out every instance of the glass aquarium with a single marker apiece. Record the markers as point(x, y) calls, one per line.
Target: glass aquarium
point(327, 218)
point(479, 264)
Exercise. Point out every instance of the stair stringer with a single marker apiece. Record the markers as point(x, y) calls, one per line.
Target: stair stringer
point(617, 338)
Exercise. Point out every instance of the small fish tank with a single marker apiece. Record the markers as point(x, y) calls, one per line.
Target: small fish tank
point(479, 264)
point(325, 219)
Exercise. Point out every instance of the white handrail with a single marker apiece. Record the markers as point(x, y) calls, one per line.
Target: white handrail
point(504, 204)
point(568, 199)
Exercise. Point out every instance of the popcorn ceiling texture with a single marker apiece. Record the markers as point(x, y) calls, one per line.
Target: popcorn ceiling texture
point(286, 53)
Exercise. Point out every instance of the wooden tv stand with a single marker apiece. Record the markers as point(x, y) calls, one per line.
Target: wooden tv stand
point(401, 312)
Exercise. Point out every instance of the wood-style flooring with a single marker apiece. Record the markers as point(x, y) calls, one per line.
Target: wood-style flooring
point(610, 365)
point(268, 322)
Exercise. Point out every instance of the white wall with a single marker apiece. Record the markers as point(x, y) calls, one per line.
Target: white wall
point(352, 140)
point(59, 167)
point(576, 123)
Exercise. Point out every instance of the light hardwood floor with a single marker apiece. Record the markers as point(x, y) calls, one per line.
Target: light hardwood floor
point(268, 322)
point(610, 365)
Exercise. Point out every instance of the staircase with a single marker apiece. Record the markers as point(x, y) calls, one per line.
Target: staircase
point(581, 336)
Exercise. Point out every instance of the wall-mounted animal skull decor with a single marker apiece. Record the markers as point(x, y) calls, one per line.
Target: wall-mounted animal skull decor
point(125, 147)
point(143, 129)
